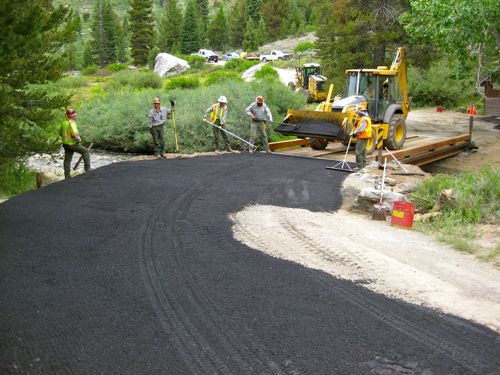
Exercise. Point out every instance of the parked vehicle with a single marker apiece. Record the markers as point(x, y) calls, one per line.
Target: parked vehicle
point(231, 55)
point(274, 55)
point(208, 55)
point(249, 56)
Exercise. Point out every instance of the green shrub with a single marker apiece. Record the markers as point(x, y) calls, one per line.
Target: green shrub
point(185, 82)
point(136, 79)
point(116, 67)
point(221, 75)
point(91, 69)
point(267, 72)
point(119, 120)
point(476, 200)
point(15, 179)
point(194, 61)
point(239, 65)
point(437, 86)
point(304, 46)
point(71, 82)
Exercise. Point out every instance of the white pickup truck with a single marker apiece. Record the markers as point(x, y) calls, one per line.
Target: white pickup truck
point(274, 55)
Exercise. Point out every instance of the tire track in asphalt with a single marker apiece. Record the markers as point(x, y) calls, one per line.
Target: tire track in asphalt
point(231, 342)
point(386, 315)
point(403, 325)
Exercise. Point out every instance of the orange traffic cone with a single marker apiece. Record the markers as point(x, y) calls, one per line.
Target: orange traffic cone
point(468, 109)
point(473, 110)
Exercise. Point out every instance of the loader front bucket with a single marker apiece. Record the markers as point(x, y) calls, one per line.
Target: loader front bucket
point(316, 124)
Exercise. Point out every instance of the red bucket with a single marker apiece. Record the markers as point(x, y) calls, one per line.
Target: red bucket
point(402, 214)
point(439, 109)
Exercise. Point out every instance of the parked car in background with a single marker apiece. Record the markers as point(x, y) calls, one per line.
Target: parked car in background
point(274, 55)
point(231, 55)
point(208, 55)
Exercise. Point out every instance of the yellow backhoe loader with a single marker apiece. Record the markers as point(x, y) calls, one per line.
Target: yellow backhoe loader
point(308, 78)
point(384, 93)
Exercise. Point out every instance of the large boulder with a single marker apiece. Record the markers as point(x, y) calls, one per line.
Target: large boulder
point(167, 65)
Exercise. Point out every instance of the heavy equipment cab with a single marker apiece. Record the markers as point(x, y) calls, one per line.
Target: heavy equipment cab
point(384, 92)
point(309, 79)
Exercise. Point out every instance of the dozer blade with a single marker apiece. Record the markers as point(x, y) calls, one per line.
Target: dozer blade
point(316, 124)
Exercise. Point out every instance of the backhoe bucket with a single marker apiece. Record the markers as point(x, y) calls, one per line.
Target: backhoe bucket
point(316, 124)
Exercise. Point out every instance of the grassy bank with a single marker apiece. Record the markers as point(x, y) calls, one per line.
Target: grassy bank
point(476, 200)
point(15, 179)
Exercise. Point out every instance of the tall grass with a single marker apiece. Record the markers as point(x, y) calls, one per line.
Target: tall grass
point(15, 179)
point(476, 200)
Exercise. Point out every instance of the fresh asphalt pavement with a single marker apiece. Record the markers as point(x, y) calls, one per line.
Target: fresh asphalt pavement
point(133, 269)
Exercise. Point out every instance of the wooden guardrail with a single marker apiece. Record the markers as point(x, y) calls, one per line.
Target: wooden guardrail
point(289, 143)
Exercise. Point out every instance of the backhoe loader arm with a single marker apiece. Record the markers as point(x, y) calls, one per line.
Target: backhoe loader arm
point(399, 67)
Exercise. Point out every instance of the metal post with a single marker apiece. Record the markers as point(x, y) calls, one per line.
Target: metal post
point(471, 122)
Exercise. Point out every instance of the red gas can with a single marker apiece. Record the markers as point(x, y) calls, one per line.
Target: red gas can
point(402, 214)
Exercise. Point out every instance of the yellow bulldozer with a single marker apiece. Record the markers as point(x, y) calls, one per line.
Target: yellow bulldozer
point(382, 90)
point(308, 79)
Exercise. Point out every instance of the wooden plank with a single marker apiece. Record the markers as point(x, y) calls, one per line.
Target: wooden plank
point(289, 143)
point(426, 148)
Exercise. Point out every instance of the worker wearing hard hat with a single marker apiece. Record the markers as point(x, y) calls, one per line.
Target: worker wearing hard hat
point(71, 143)
point(258, 111)
point(157, 117)
point(216, 114)
point(362, 131)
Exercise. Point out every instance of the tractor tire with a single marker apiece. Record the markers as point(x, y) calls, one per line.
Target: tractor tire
point(396, 134)
point(371, 145)
point(318, 143)
point(308, 96)
point(291, 85)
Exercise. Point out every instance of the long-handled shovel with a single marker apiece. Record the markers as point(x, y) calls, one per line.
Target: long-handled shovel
point(172, 105)
point(232, 134)
point(81, 158)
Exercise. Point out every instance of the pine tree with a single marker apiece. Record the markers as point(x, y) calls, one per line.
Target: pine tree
point(237, 23)
point(354, 36)
point(250, 38)
point(104, 30)
point(122, 41)
point(275, 14)
point(253, 9)
point(217, 31)
point(170, 28)
point(142, 30)
point(262, 36)
point(32, 42)
point(190, 40)
point(202, 13)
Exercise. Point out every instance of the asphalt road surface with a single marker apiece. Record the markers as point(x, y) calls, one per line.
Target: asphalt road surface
point(133, 269)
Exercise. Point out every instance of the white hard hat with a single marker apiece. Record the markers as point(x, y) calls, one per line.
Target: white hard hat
point(222, 99)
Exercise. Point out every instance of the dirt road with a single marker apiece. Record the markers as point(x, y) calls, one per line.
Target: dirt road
point(133, 268)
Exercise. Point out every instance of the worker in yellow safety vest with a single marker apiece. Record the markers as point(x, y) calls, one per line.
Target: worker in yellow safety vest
point(217, 115)
point(71, 143)
point(362, 131)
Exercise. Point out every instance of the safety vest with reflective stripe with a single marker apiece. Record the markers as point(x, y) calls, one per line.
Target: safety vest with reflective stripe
point(367, 133)
point(68, 132)
point(215, 109)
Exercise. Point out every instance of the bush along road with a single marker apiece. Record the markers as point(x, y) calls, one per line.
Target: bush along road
point(133, 269)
